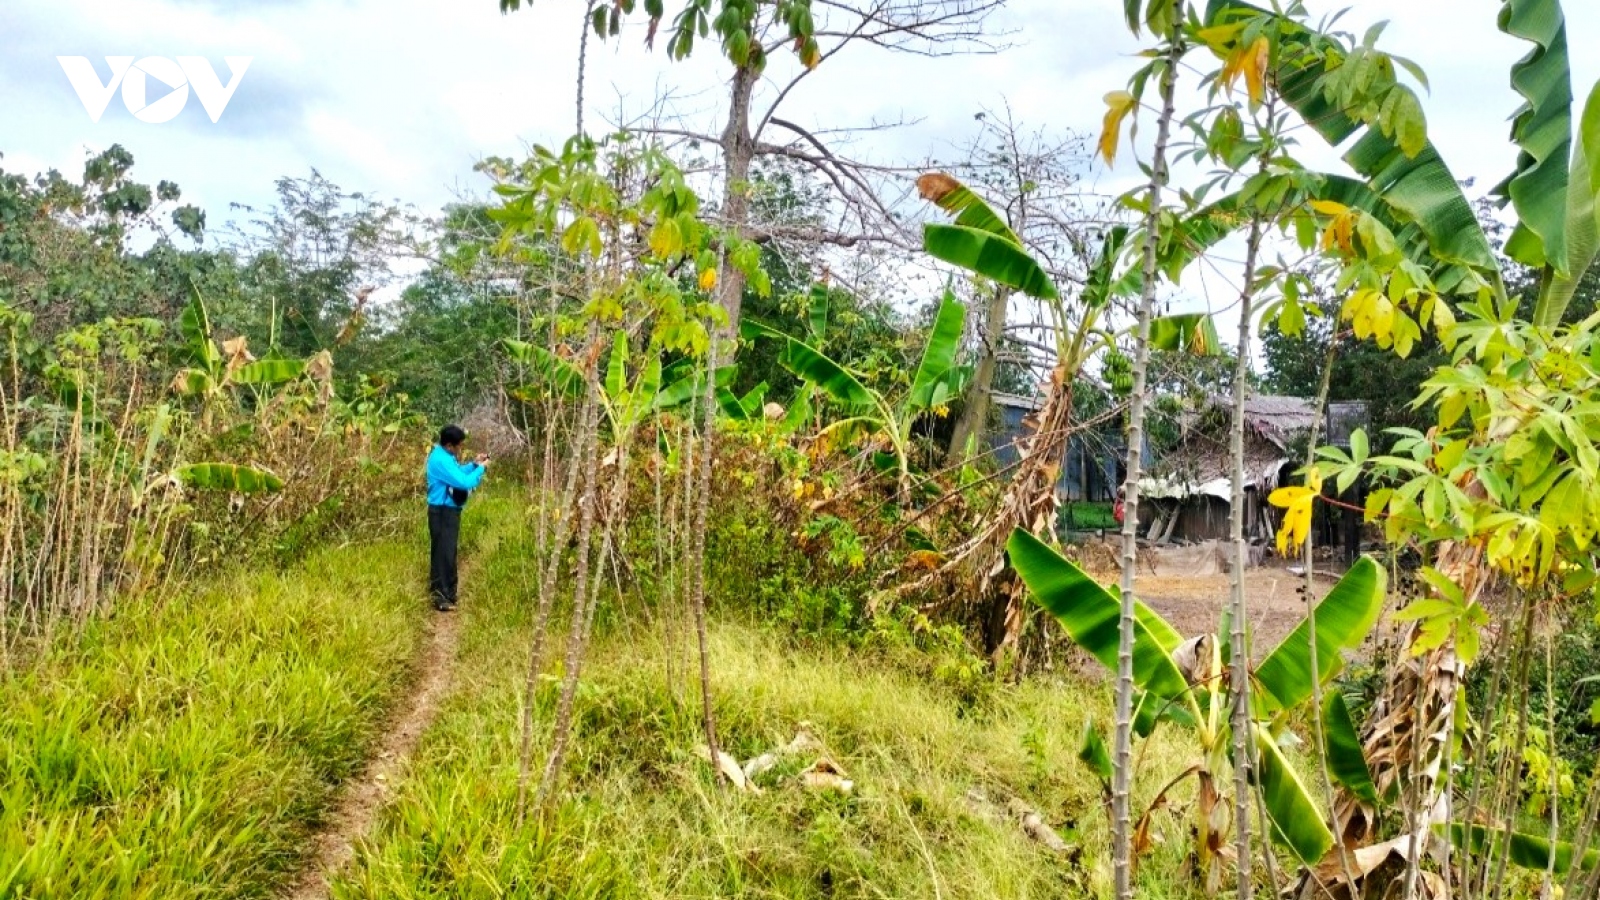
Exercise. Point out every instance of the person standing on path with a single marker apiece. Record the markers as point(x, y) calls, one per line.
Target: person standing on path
point(450, 482)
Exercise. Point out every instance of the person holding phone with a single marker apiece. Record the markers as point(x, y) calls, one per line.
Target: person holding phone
point(450, 483)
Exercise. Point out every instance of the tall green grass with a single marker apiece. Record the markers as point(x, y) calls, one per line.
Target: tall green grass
point(642, 818)
point(187, 750)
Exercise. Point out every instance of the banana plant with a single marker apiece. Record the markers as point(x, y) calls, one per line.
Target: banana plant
point(208, 371)
point(981, 242)
point(1185, 682)
point(937, 381)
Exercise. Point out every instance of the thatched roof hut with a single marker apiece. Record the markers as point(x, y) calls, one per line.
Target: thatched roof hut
point(1192, 486)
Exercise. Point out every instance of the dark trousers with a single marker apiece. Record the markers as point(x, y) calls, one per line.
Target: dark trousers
point(444, 532)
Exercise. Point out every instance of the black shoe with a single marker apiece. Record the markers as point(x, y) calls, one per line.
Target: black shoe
point(444, 607)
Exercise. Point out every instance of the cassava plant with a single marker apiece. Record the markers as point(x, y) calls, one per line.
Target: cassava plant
point(625, 213)
point(1413, 254)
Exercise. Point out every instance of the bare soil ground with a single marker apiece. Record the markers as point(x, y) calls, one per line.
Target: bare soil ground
point(1194, 603)
point(365, 795)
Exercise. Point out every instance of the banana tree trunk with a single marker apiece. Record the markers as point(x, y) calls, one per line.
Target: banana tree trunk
point(1406, 738)
point(1032, 502)
point(974, 420)
point(1407, 735)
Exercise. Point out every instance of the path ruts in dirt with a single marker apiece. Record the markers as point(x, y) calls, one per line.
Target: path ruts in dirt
point(363, 796)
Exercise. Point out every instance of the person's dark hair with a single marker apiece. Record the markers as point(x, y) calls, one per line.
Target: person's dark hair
point(451, 436)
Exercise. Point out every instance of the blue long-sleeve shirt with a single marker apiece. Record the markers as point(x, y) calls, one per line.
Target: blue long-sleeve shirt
point(444, 471)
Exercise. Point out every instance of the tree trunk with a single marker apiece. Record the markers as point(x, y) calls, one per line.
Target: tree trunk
point(1031, 502)
point(1122, 759)
point(974, 420)
point(738, 149)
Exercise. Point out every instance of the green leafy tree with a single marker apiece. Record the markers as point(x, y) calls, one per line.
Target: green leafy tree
point(311, 263)
point(66, 248)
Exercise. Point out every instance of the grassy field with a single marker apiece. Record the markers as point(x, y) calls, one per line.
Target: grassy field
point(642, 817)
point(191, 750)
point(186, 750)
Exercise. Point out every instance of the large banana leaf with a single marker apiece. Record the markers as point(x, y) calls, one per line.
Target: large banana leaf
point(1583, 229)
point(1343, 619)
point(799, 410)
point(1542, 130)
point(989, 255)
point(730, 406)
point(742, 409)
point(264, 372)
point(1094, 753)
point(939, 357)
point(195, 326)
point(648, 384)
point(1192, 333)
point(1091, 615)
point(1296, 821)
point(563, 376)
point(969, 209)
point(829, 377)
point(213, 476)
point(751, 402)
point(617, 366)
point(753, 330)
point(1346, 763)
point(684, 389)
point(817, 312)
point(1102, 283)
point(1419, 187)
point(1529, 851)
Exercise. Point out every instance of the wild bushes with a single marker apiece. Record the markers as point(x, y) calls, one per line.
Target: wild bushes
point(116, 476)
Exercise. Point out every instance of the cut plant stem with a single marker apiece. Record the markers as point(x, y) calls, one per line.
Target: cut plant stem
point(581, 448)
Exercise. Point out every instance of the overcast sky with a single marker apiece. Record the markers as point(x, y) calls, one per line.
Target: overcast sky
point(400, 97)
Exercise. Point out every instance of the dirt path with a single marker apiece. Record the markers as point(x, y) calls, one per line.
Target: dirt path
point(364, 796)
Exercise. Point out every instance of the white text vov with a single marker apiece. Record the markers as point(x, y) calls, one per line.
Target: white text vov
point(133, 77)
